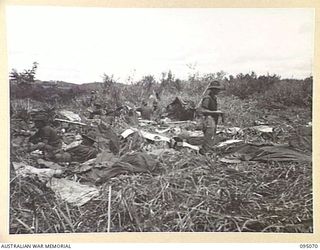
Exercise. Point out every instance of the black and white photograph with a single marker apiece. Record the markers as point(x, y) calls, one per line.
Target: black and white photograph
point(160, 119)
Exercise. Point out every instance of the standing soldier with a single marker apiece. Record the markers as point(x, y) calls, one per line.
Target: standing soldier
point(153, 99)
point(209, 110)
point(93, 98)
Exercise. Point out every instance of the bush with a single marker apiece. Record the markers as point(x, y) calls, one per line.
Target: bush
point(245, 86)
point(38, 93)
point(270, 91)
point(291, 93)
point(25, 77)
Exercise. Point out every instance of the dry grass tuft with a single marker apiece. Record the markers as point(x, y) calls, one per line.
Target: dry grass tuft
point(192, 194)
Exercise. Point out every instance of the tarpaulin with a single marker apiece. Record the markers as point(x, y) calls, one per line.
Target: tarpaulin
point(129, 163)
point(72, 192)
point(71, 116)
point(43, 174)
point(264, 153)
point(263, 128)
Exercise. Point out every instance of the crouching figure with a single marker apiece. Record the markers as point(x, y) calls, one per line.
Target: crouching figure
point(46, 138)
point(84, 152)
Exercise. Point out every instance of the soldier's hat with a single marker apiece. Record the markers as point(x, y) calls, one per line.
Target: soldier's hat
point(215, 85)
point(90, 135)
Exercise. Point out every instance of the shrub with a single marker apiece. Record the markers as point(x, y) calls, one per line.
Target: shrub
point(25, 77)
point(245, 86)
point(168, 84)
point(290, 93)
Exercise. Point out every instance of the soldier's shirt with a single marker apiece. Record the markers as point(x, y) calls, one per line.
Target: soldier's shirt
point(210, 103)
point(47, 133)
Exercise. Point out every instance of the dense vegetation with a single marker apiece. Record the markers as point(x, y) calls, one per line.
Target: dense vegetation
point(269, 90)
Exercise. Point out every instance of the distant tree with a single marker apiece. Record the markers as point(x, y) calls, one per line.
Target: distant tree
point(25, 77)
point(219, 76)
point(246, 85)
point(148, 82)
point(307, 88)
point(111, 90)
point(131, 77)
point(169, 83)
point(193, 75)
point(143, 88)
point(108, 80)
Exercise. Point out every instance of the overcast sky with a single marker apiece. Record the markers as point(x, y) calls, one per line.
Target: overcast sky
point(80, 44)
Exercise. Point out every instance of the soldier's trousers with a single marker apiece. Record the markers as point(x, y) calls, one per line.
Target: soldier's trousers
point(209, 130)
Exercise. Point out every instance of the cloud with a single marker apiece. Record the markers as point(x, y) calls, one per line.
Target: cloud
point(262, 58)
point(90, 41)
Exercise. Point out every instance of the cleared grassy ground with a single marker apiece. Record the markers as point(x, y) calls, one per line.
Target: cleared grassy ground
point(189, 192)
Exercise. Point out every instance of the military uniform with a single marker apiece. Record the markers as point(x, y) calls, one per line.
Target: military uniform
point(46, 138)
point(93, 98)
point(209, 126)
point(153, 102)
point(84, 151)
point(49, 135)
point(210, 121)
